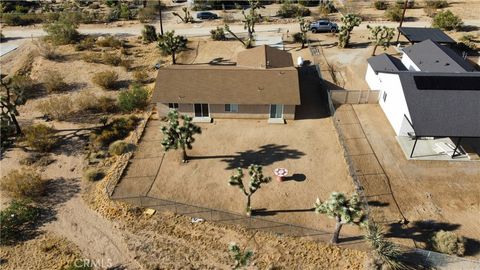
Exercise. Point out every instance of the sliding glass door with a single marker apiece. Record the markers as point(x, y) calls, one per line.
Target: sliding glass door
point(276, 111)
point(201, 110)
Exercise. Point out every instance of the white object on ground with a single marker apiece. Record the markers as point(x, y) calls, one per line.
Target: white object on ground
point(197, 220)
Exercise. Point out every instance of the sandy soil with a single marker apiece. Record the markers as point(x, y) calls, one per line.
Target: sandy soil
point(427, 191)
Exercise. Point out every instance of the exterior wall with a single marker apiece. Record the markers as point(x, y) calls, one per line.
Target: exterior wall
point(244, 111)
point(372, 79)
point(408, 63)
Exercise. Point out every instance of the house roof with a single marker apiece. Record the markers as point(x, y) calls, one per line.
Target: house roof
point(419, 34)
point(252, 81)
point(386, 63)
point(432, 57)
point(440, 106)
point(264, 57)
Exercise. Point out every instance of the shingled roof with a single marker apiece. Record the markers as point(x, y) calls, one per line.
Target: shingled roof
point(263, 75)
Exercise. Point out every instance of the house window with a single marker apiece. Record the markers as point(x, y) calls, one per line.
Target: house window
point(384, 96)
point(231, 107)
point(173, 106)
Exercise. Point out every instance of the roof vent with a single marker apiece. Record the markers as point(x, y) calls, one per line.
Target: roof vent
point(447, 64)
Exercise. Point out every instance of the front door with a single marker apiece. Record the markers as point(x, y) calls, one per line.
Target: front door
point(201, 110)
point(276, 111)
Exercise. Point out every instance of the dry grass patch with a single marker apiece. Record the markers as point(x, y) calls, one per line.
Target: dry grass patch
point(24, 183)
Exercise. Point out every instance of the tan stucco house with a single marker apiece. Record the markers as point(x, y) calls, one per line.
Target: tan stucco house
point(262, 85)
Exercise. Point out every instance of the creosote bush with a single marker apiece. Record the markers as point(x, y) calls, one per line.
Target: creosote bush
point(133, 99)
point(62, 31)
point(106, 79)
point(289, 10)
point(88, 101)
point(380, 5)
point(56, 107)
point(16, 220)
point(23, 183)
point(109, 41)
point(93, 174)
point(120, 147)
point(86, 43)
point(111, 59)
point(217, 34)
point(47, 50)
point(118, 129)
point(53, 81)
point(394, 13)
point(40, 137)
point(436, 3)
point(446, 20)
point(448, 243)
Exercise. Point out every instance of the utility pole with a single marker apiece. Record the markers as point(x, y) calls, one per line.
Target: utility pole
point(403, 18)
point(160, 13)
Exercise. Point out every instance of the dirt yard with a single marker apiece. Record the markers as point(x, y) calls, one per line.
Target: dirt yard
point(432, 195)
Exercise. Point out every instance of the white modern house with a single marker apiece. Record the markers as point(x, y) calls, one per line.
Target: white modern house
point(430, 92)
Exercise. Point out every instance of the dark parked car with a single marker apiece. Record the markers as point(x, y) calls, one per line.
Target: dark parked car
point(206, 15)
point(323, 26)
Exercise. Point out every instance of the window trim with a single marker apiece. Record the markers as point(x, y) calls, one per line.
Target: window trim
point(231, 108)
point(173, 106)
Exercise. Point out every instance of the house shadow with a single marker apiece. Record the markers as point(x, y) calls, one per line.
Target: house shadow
point(265, 155)
point(297, 177)
point(422, 231)
point(264, 212)
point(313, 96)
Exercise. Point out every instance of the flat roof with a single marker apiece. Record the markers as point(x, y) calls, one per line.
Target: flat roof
point(440, 109)
point(419, 34)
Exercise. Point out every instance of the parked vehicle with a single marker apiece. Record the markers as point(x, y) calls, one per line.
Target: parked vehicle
point(206, 15)
point(323, 26)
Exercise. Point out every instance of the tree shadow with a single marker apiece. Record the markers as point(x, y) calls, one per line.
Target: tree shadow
point(265, 155)
point(265, 212)
point(419, 231)
point(71, 141)
point(297, 177)
point(470, 28)
point(376, 203)
point(357, 45)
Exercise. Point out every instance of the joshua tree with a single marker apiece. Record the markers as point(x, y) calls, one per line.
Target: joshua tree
point(170, 44)
point(349, 22)
point(186, 18)
point(248, 23)
point(304, 26)
point(381, 36)
point(10, 98)
point(241, 257)
point(384, 251)
point(179, 136)
point(344, 210)
point(256, 180)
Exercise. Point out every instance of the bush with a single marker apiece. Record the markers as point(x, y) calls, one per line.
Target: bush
point(394, 14)
point(448, 243)
point(88, 101)
point(56, 107)
point(93, 175)
point(111, 59)
point(15, 220)
point(53, 82)
point(13, 19)
point(24, 183)
point(105, 79)
point(468, 41)
point(118, 129)
point(446, 20)
point(107, 104)
point(109, 41)
point(401, 3)
point(147, 14)
point(94, 6)
point(87, 43)
point(141, 76)
point(23, 84)
point(297, 37)
point(430, 11)
point(132, 99)
point(217, 34)
point(289, 10)
point(380, 5)
point(37, 159)
point(93, 57)
point(149, 33)
point(40, 137)
point(47, 50)
point(120, 147)
point(62, 31)
point(436, 3)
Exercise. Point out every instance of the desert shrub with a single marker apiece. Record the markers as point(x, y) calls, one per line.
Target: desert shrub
point(105, 79)
point(149, 33)
point(125, 12)
point(23, 84)
point(126, 64)
point(111, 59)
point(88, 101)
point(446, 20)
point(430, 11)
point(62, 31)
point(228, 17)
point(86, 43)
point(24, 183)
point(118, 129)
point(14, 19)
point(40, 137)
point(141, 76)
point(147, 14)
point(93, 174)
point(380, 5)
point(92, 57)
point(468, 41)
point(109, 41)
point(401, 3)
point(217, 34)
point(94, 6)
point(107, 104)
point(15, 220)
point(120, 147)
point(56, 107)
point(289, 10)
point(47, 50)
point(37, 159)
point(53, 81)
point(436, 3)
point(132, 99)
point(448, 243)
point(297, 37)
point(394, 13)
